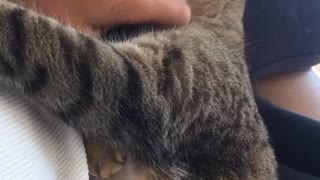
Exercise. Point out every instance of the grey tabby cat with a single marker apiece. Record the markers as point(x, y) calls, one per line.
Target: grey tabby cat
point(168, 105)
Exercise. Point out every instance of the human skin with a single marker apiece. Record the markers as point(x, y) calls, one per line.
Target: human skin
point(298, 92)
point(92, 16)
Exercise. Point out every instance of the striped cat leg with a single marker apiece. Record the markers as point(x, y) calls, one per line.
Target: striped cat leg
point(42, 59)
point(178, 103)
point(79, 79)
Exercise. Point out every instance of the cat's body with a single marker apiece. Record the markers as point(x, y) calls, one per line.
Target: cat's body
point(177, 103)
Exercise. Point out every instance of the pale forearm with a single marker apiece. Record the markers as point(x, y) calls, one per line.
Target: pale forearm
point(298, 92)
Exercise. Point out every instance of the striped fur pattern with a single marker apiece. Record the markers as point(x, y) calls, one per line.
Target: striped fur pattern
point(176, 104)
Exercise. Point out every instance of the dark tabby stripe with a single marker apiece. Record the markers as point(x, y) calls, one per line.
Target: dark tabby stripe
point(172, 56)
point(83, 69)
point(40, 80)
point(135, 85)
point(18, 44)
point(8, 70)
point(135, 119)
point(131, 100)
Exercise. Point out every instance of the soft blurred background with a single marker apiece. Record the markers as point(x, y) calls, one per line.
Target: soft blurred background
point(317, 70)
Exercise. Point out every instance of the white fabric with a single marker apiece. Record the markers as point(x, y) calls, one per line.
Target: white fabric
point(36, 146)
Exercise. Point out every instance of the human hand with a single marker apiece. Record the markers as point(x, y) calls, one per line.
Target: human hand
point(95, 15)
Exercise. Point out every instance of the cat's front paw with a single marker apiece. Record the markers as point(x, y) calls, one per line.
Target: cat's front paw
point(103, 161)
point(108, 164)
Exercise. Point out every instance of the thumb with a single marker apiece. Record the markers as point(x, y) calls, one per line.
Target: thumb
point(169, 12)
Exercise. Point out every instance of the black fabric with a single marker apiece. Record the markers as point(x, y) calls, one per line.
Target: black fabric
point(286, 173)
point(281, 35)
point(295, 138)
point(284, 36)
